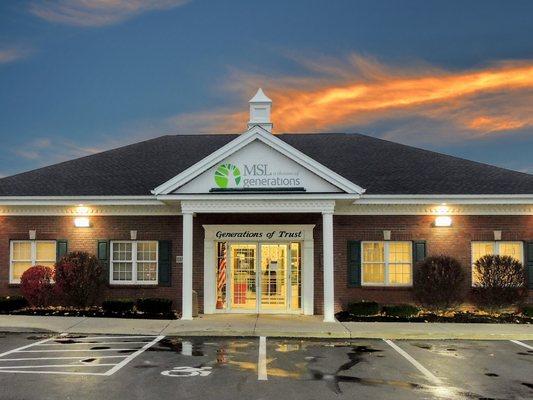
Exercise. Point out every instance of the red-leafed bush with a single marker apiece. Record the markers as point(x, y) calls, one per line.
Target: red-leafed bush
point(79, 279)
point(36, 285)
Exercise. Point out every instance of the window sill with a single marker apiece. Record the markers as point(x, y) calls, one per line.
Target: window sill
point(387, 287)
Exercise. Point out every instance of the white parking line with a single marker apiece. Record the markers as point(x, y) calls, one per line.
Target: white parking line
point(261, 362)
point(518, 342)
point(58, 366)
point(87, 343)
point(55, 358)
point(70, 350)
point(429, 376)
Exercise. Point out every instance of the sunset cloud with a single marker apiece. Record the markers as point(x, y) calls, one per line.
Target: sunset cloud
point(91, 13)
point(9, 54)
point(354, 94)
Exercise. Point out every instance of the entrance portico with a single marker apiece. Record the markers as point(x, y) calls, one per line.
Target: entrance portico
point(257, 173)
point(256, 234)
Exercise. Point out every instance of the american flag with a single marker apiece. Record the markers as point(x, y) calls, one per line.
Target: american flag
point(221, 279)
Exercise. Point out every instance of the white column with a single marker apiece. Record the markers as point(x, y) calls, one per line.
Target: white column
point(327, 241)
point(186, 300)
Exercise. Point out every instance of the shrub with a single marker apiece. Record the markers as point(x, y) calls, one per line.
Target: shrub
point(500, 282)
point(400, 310)
point(119, 305)
point(36, 285)
point(363, 308)
point(154, 305)
point(78, 278)
point(438, 282)
point(527, 310)
point(12, 303)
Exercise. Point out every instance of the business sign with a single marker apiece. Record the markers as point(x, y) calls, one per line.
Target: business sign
point(257, 166)
point(258, 233)
point(246, 234)
point(256, 175)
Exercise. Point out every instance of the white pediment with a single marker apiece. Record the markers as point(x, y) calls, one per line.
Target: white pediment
point(257, 161)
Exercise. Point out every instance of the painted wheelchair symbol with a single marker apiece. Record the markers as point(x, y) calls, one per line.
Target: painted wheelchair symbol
point(187, 372)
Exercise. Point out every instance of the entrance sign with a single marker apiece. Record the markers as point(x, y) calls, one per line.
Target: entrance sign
point(261, 235)
point(258, 166)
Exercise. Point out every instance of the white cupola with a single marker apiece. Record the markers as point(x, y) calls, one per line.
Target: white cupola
point(260, 107)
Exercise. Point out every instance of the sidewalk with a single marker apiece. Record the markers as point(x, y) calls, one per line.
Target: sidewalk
point(265, 325)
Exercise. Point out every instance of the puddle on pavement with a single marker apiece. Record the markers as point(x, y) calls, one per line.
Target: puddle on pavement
point(492, 375)
point(41, 337)
point(126, 351)
point(523, 353)
point(88, 360)
point(182, 347)
point(528, 385)
point(100, 348)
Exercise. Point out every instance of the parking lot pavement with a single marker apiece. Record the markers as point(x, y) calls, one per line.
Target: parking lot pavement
point(268, 368)
point(74, 355)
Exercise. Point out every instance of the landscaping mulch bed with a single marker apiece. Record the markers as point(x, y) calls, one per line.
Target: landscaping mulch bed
point(90, 312)
point(462, 317)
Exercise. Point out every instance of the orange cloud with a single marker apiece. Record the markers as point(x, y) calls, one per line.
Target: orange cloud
point(471, 103)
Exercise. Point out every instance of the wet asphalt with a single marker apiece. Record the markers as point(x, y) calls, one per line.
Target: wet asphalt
point(44, 367)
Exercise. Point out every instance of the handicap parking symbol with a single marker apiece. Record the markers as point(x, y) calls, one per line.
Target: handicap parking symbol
point(187, 372)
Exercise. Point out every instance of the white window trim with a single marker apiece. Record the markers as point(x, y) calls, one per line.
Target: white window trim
point(496, 248)
point(33, 256)
point(386, 262)
point(134, 280)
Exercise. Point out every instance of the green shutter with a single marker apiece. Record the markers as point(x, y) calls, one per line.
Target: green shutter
point(354, 263)
point(529, 264)
point(103, 256)
point(165, 262)
point(419, 251)
point(62, 248)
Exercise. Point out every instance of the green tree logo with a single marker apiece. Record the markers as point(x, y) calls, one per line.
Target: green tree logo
point(227, 176)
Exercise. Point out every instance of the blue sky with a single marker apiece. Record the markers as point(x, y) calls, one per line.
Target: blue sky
point(451, 76)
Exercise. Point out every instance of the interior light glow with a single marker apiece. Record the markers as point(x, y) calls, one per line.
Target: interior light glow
point(443, 220)
point(81, 222)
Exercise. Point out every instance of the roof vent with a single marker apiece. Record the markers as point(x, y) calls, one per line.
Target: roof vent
point(260, 107)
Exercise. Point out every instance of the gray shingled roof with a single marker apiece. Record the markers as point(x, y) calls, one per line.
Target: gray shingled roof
point(380, 166)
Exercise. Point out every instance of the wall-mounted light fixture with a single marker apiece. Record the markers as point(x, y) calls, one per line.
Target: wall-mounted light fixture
point(443, 220)
point(81, 222)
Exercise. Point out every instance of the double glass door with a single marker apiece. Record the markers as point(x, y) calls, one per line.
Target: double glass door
point(264, 277)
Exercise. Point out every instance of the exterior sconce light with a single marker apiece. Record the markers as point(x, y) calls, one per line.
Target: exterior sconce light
point(443, 220)
point(81, 222)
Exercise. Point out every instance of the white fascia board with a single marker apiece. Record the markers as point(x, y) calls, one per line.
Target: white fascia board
point(269, 139)
point(261, 196)
point(447, 199)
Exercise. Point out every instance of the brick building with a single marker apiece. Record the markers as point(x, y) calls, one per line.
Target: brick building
point(256, 222)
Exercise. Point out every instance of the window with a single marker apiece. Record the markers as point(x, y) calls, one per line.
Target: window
point(387, 263)
point(134, 262)
point(27, 253)
point(480, 249)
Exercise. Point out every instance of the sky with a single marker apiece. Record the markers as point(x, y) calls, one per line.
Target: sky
point(82, 76)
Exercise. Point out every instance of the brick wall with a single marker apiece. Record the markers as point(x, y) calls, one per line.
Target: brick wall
point(453, 241)
point(85, 239)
